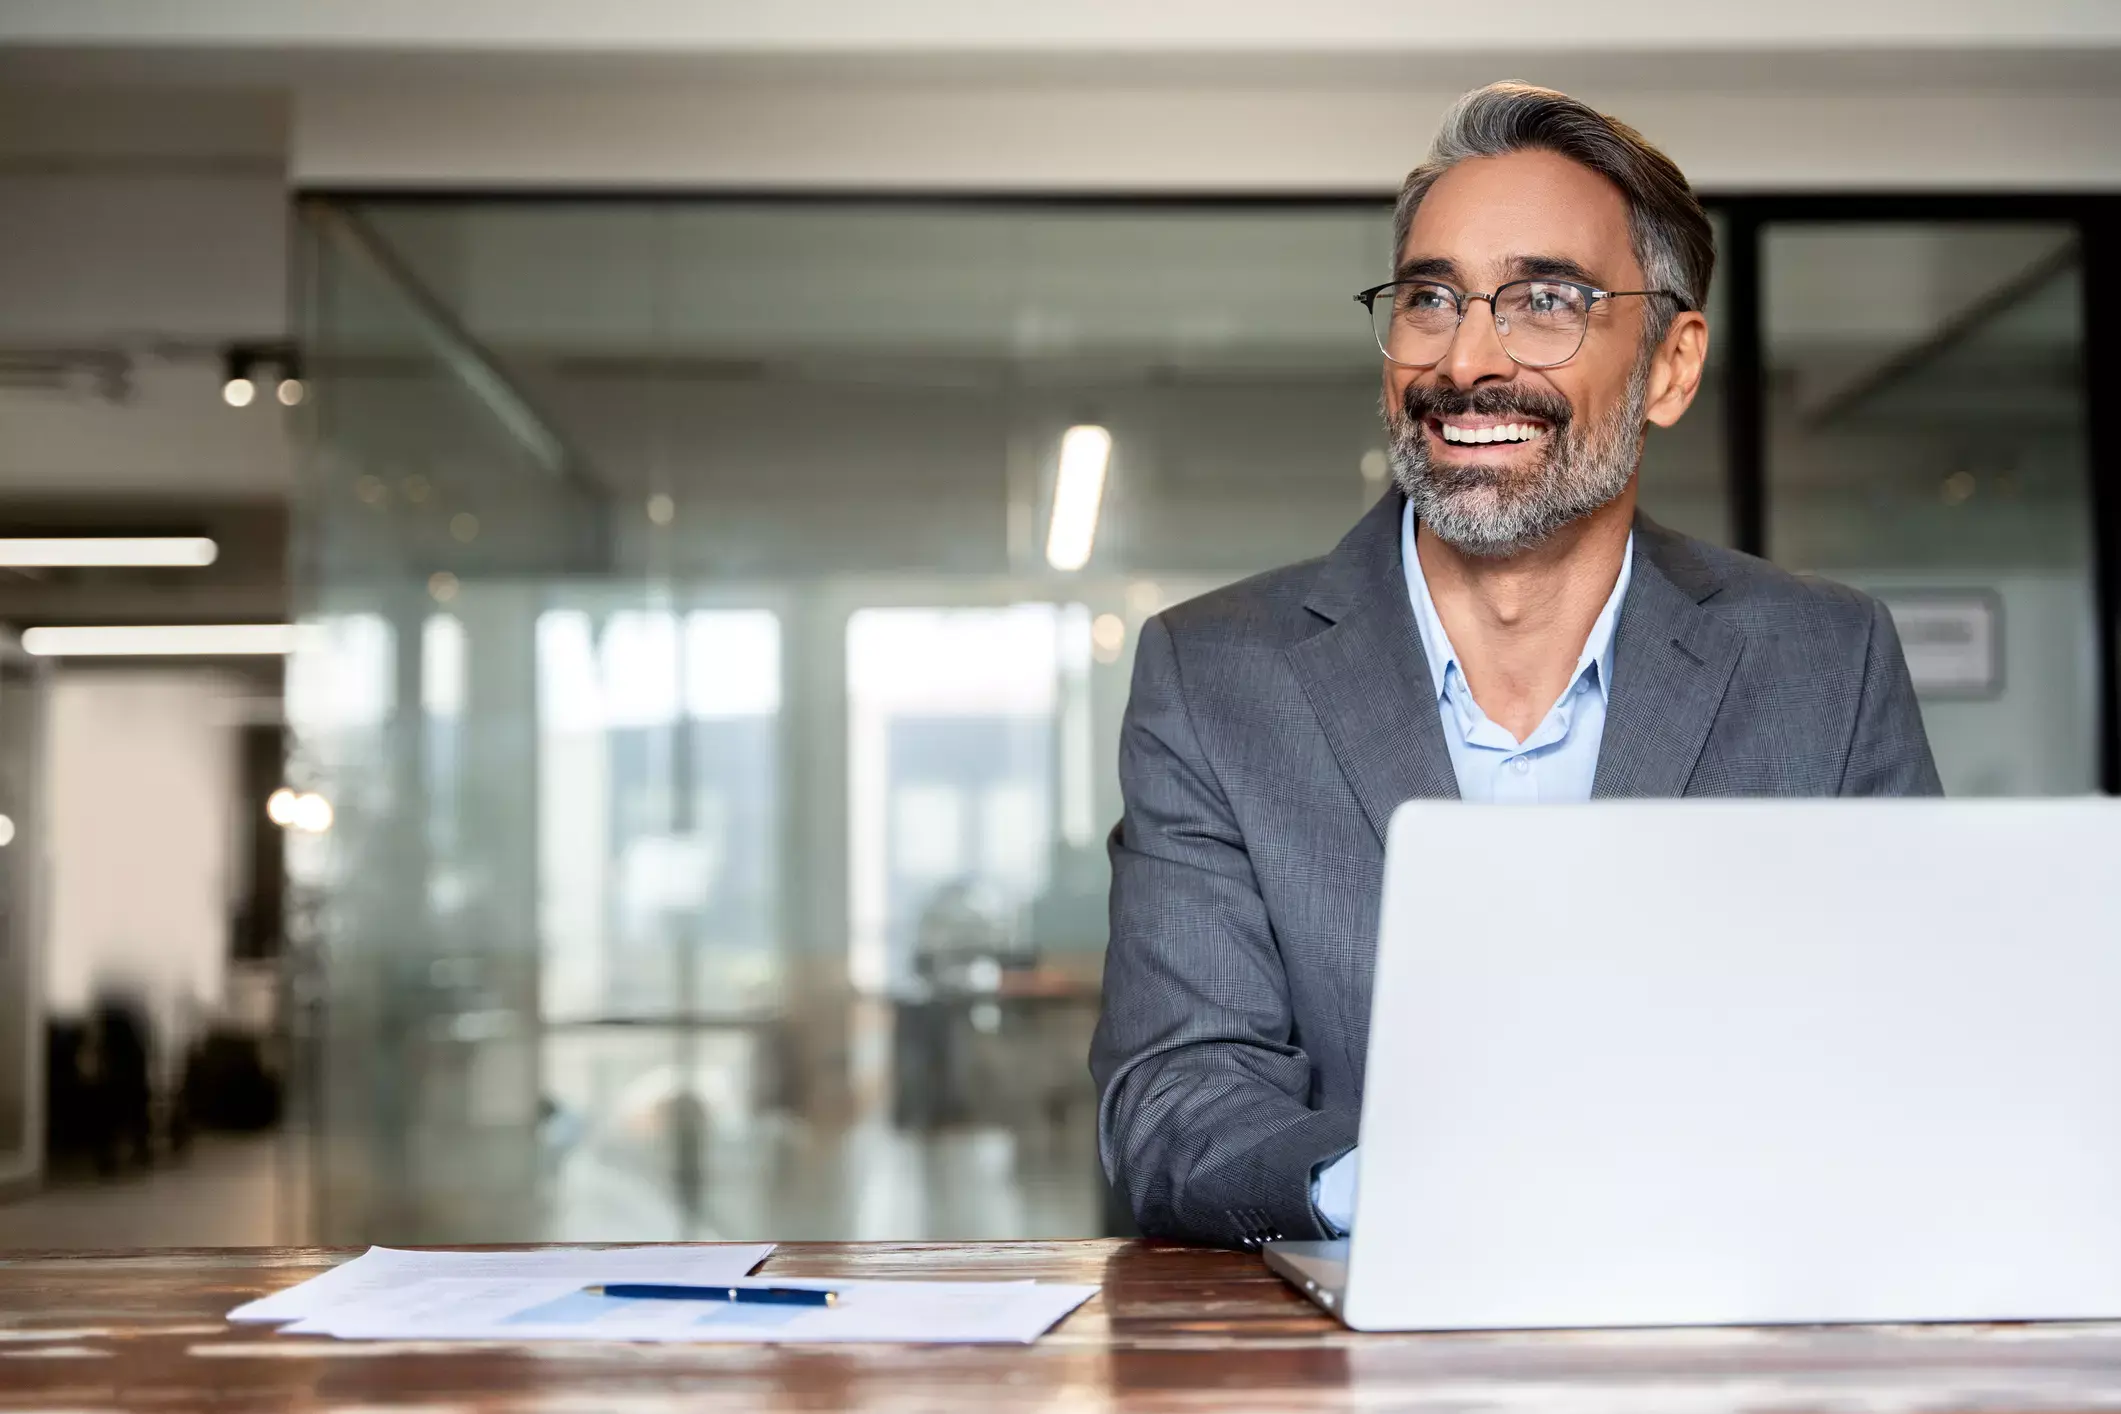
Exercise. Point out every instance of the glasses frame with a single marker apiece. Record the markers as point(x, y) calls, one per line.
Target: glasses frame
point(1591, 293)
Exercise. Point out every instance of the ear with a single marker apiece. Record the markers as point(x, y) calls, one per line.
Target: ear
point(1675, 369)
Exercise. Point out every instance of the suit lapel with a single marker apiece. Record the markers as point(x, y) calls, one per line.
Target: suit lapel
point(1672, 660)
point(1367, 677)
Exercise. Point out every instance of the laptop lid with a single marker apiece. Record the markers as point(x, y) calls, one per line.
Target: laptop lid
point(1707, 1062)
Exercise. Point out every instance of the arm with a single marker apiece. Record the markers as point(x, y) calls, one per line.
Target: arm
point(1202, 1113)
point(1890, 752)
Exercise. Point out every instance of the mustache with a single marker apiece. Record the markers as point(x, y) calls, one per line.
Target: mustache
point(1421, 403)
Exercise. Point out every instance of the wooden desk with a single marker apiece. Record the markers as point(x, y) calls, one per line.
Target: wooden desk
point(1175, 1329)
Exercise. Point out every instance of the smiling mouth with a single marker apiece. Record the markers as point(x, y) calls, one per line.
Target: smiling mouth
point(1459, 433)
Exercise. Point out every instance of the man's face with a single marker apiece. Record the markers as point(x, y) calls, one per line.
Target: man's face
point(1484, 223)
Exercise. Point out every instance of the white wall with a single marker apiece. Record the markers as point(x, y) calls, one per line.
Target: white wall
point(1194, 135)
point(143, 780)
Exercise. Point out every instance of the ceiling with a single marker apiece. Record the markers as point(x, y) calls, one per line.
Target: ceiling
point(938, 29)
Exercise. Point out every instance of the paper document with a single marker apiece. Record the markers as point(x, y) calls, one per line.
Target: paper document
point(511, 1308)
point(383, 1272)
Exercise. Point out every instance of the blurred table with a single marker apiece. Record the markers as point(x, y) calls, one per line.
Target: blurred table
point(1007, 1054)
point(1175, 1329)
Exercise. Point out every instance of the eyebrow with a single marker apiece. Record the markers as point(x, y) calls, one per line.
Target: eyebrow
point(1548, 267)
point(1428, 267)
point(1516, 267)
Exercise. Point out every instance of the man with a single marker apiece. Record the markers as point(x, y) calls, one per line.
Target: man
point(1503, 626)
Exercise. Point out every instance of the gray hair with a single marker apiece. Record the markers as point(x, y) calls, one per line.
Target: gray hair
point(1667, 228)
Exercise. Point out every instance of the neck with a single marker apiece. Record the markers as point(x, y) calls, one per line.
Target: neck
point(1519, 623)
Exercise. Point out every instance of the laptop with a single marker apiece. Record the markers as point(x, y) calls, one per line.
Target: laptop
point(1655, 1063)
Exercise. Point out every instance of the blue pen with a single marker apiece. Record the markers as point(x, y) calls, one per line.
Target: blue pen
point(757, 1295)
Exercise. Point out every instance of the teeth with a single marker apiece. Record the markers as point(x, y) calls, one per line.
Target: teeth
point(1506, 432)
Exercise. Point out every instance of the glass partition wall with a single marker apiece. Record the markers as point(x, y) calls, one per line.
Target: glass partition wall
point(24, 706)
point(721, 763)
point(1927, 441)
point(718, 687)
point(438, 509)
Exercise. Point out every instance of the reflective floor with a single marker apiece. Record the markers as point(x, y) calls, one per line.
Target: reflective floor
point(658, 1133)
point(770, 1178)
point(245, 1191)
point(777, 1178)
point(949, 1124)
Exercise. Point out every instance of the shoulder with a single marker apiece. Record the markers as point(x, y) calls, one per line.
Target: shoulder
point(1750, 595)
point(1263, 611)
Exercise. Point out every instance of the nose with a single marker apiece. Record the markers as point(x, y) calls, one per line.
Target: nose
point(1476, 354)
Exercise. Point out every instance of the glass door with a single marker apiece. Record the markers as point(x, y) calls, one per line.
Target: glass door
point(1927, 443)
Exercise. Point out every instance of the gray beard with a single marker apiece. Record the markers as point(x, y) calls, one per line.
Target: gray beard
point(1491, 516)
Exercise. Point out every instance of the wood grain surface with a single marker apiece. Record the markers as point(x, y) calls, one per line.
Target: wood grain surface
point(1175, 1328)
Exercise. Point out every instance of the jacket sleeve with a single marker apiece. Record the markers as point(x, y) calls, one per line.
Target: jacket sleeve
point(1203, 1119)
point(1890, 752)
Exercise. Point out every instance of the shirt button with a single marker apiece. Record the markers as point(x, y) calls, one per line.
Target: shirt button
point(1521, 765)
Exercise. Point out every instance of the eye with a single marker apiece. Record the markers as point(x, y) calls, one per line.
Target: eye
point(1538, 302)
point(1425, 299)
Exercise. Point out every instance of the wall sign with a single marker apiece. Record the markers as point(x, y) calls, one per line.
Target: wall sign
point(1953, 639)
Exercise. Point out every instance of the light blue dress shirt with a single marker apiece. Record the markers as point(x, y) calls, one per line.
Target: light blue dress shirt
point(1557, 762)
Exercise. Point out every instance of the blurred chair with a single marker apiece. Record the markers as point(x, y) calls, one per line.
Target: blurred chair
point(100, 1098)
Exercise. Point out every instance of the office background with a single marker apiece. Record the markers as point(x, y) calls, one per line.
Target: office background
point(696, 769)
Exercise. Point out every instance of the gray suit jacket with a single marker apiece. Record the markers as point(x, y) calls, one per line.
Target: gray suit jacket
point(1276, 724)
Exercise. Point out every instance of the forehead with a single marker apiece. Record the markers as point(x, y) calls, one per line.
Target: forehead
point(1486, 210)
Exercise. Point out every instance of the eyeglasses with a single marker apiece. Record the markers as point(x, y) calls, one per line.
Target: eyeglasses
point(1540, 323)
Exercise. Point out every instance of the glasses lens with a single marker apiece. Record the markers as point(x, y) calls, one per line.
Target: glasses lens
point(1414, 322)
point(1541, 322)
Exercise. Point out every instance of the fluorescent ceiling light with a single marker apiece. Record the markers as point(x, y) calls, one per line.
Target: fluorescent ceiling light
point(58, 551)
point(159, 640)
point(1077, 492)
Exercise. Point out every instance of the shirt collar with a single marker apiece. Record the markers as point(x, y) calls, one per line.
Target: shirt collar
point(1443, 658)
